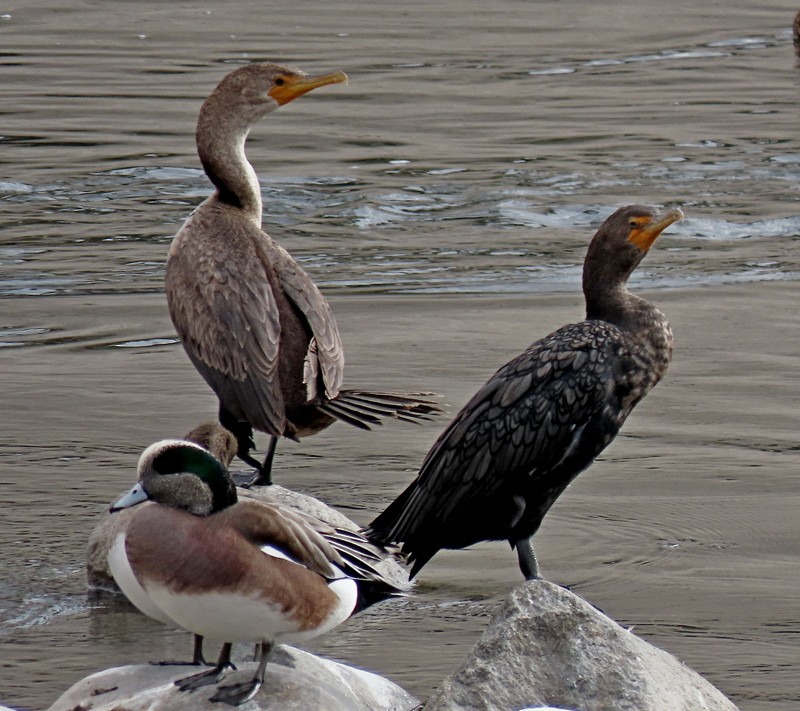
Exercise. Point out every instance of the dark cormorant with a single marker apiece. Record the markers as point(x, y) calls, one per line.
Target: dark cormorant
point(543, 417)
point(251, 320)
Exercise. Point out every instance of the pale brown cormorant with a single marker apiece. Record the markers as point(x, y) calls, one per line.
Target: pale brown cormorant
point(543, 417)
point(251, 320)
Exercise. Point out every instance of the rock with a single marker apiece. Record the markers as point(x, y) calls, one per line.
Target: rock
point(100, 539)
point(295, 681)
point(546, 646)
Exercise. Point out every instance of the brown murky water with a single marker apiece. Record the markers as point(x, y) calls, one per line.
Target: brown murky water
point(443, 200)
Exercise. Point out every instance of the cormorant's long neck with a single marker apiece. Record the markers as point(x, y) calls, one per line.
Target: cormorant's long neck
point(607, 302)
point(220, 145)
point(634, 315)
point(608, 299)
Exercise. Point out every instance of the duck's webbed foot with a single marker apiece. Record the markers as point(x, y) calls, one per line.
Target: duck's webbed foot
point(210, 676)
point(237, 694)
point(198, 660)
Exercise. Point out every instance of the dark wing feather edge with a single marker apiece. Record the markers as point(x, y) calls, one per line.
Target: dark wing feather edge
point(521, 423)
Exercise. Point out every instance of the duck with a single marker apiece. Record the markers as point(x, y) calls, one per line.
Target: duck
point(544, 416)
point(251, 320)
point(197, 558)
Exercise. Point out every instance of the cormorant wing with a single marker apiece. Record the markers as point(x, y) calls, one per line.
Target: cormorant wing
point(303, 292)
point(529, 418)
point(229, 324)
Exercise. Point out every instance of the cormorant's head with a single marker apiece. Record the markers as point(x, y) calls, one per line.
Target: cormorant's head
point(249, 93)
point(621, 243)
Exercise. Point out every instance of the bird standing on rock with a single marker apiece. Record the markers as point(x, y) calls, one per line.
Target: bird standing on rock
point(543, 417)
point(235, 571)
point(251, 320)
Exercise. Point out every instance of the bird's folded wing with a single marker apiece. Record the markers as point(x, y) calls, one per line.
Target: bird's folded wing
point(296, 534)
point(302, 291)
point(230, 328)
point(521, 424)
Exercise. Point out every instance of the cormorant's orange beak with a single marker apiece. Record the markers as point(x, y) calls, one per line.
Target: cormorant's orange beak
point(648, 229)
point(295, 85)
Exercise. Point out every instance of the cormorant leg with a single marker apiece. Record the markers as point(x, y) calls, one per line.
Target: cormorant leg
point(244, 436)
point(236, 694)
point(197, 656)
point(527, 558)
point(210, 676)
point(264, 475)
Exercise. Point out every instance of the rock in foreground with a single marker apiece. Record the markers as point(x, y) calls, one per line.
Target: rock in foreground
point(546, 646)
point(297, 681)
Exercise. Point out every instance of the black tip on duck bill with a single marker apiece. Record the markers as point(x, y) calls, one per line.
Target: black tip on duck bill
point(646, 229)
point(135, 496)
point(290, 87)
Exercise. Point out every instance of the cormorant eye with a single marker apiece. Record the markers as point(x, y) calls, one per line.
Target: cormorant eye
point(634, 223)
point(279, 81)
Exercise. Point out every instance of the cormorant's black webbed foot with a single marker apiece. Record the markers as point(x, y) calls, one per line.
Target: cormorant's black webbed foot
point(263, 475)
point(245, 444)
point(257, 478)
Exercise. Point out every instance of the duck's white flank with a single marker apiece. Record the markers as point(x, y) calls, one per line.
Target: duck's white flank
point(342, 586)
point(227, 616)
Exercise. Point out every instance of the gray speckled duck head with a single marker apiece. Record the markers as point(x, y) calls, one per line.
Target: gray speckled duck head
point(182, 475)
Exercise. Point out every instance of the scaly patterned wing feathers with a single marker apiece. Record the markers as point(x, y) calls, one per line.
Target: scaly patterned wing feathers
point(517, 427)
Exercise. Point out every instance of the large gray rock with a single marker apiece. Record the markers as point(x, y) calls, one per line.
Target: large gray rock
point(546, 646)
point(298, 681)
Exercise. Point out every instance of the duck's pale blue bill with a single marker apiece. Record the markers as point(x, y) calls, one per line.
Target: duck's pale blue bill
point(135, 496)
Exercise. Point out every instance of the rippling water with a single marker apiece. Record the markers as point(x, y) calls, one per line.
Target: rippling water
point(472, 155)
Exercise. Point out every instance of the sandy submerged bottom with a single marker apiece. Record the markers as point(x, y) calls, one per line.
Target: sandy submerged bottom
point(686, 528)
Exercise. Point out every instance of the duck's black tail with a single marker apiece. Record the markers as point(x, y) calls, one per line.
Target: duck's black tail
point(374, 567)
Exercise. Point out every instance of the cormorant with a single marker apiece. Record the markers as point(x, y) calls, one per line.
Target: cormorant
point(251, 320)
point(544, 416)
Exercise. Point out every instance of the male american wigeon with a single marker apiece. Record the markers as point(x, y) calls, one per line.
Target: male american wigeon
point(234, 571)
